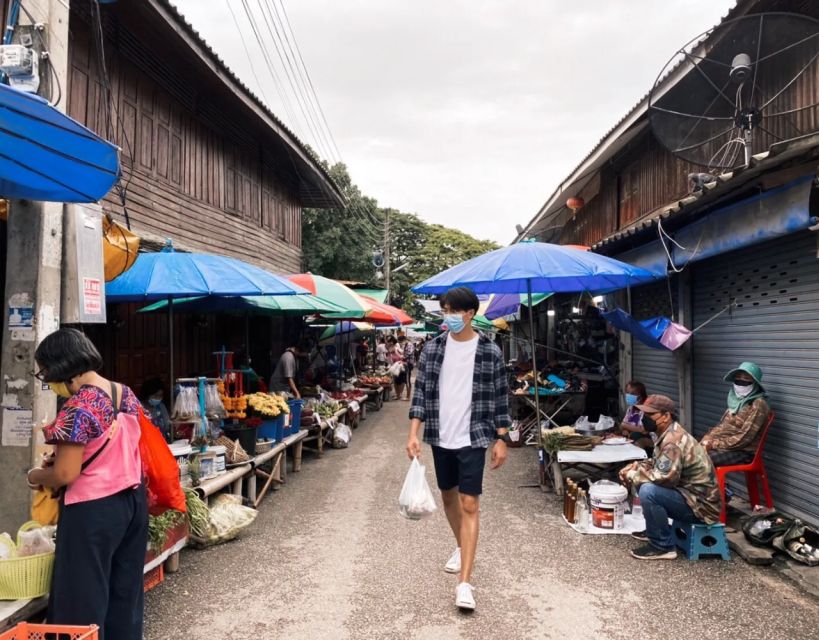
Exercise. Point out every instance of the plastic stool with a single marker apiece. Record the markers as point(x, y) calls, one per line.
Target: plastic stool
point(698, 540)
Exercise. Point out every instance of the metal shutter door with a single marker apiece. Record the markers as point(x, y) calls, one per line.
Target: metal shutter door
point(776, 325)
point(656, 368)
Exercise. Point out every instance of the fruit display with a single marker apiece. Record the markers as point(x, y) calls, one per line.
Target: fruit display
point(375, 381)
point(348, 395)
point(267, 405)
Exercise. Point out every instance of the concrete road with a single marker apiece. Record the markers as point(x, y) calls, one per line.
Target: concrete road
point(329, 557)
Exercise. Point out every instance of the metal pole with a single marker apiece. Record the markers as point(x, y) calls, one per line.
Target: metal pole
point(170, 350)
point(387, 253)
point(534, 359)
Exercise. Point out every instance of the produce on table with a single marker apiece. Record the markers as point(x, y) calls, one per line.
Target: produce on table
point(158, 527)
point(267, 405)
point(375, 381)
point(198, 514)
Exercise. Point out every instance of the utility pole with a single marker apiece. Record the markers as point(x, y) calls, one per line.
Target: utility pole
point(32, 300)
point(387, 253)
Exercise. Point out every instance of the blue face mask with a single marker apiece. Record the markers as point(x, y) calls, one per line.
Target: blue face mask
point(154, 402)
point(454, 322)
point(631, 399)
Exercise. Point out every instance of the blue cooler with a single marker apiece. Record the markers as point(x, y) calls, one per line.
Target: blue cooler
point(267, 430)
point(295, 415)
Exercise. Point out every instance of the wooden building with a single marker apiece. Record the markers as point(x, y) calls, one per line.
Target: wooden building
point(204, 163)
point(745, 263)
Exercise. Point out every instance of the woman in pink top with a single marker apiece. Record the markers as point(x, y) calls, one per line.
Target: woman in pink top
point(103, 525)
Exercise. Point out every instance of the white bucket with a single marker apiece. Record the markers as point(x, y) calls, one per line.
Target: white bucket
point(181, 450)
point(220, 453)
point(608, 505)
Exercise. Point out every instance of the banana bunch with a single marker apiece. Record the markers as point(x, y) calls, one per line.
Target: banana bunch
point(267, 405)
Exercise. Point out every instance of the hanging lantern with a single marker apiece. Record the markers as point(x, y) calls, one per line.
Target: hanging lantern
point(575, 203)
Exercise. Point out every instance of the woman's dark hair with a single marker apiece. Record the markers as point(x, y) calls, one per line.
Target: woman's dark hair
point(66, 354)
point(460, 299)
point(151, 387)
point(639, 387)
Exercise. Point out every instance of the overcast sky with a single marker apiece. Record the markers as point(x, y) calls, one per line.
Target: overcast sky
point(466, 112)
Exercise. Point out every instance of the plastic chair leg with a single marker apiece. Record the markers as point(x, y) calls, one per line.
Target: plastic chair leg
point(753, 488)
point(723, 515)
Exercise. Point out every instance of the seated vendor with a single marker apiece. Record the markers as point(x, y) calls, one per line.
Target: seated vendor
point(736, 438)
point(678, 482)
point(152, 396)
point(632, 424)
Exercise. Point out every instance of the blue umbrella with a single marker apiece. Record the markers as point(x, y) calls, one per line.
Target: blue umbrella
point(169, 275)
point(537, 267)
point(45, 155)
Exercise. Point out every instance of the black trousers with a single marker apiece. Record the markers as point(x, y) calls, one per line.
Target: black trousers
point(99, 563)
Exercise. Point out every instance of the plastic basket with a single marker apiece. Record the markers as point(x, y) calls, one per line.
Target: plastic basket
point(153, 578)
point(272, 428)
point(29, 631)
point(28, 577)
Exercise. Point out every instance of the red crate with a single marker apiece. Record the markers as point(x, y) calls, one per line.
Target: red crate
point(29, 631)
point(152, 579)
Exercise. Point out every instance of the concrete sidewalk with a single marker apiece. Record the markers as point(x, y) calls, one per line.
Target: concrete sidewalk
point(329, 557)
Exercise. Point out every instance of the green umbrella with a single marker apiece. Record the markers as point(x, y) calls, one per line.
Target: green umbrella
point(251, 305)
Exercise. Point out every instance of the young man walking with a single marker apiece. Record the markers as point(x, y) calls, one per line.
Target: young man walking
point(461, 400)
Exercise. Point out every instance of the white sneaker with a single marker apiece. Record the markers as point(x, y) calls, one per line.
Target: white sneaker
point(464, 599)
point(453, 565)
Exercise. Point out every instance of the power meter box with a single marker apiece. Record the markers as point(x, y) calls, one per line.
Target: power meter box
point(83, 294)
point(16, 60)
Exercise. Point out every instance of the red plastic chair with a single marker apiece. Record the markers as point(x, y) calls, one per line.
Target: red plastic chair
point(752, 471)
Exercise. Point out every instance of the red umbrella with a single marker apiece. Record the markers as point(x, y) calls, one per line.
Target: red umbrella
point(385, 314)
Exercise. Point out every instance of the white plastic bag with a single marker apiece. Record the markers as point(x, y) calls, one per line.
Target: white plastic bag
point(604, 423)
point(396, 369)
point(416, 501)
point(342, 436)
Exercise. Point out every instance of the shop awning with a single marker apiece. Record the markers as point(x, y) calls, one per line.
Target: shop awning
point(657, 333)
point(45, 155)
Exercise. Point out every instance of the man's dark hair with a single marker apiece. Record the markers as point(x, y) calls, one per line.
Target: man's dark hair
point(460, 299)
point(303, 346)
point(401, 338)
point(151, 387)
point(66, 354)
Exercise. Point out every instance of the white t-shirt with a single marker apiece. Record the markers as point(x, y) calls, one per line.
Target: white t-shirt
point(455, 392)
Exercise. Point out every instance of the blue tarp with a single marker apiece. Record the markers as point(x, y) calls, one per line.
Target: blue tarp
point(45, 155)
point(648, 331)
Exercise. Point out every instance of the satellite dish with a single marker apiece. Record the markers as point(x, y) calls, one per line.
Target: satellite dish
point(738, 88)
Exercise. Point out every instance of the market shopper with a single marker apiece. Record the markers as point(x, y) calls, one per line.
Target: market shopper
point(103, 521)
point(734, 440)
point(381, 353)
point(287, 369)
point(678, 482)
point(408, 350)
point(152, 396)
point(461, 399)
point(395, 355)
point(632, 425)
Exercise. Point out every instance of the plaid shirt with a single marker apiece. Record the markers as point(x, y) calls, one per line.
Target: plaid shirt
point(490, 392)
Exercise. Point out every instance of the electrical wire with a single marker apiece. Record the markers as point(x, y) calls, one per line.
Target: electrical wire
point(45, 57)
point(247, 52)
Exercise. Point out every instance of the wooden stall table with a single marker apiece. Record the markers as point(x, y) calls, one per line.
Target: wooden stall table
point(602, 460)
point(322, 434)
point(231, 477)
point(13, 612)
point(277, 456)
point(375, 398)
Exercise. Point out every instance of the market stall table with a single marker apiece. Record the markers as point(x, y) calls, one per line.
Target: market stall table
point(277, 456)
point(232, 477)
point(601, 460)
point(13, 612)
point(322, 433)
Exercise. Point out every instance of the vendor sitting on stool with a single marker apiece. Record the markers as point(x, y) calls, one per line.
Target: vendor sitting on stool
point(632, 424)
point(678, 482)
point(735, 439)
point(152, 397)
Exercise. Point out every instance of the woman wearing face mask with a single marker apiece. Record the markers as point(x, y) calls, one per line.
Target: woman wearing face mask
point(152, 397)
point(103, 524)
point(735, 439)
point(632, 425)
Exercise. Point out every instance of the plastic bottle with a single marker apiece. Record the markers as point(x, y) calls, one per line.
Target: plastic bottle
point(759, 526)
point(636, 505)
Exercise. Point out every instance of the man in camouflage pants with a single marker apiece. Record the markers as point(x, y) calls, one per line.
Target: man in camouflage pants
point(678, 482)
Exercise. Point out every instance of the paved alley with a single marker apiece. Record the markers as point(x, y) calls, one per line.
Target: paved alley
point(329, 557)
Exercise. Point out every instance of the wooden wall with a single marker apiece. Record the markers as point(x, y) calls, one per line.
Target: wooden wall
point(208, 189)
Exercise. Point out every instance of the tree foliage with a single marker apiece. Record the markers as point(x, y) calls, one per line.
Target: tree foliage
point(338, 243)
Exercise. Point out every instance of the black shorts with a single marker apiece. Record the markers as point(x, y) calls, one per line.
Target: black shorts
point(462, 468)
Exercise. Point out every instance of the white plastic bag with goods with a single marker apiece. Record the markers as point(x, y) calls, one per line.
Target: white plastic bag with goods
point(416, 501)
point(396, 369)
point(342, 436)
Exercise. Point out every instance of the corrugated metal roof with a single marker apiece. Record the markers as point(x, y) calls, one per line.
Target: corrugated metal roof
point(240, 87)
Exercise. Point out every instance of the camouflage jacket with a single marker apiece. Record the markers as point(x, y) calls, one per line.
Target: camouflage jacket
point(742, 430)
point(681, 463)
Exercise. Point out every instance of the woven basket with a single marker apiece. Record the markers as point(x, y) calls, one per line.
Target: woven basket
point(263, 447)
point(28, 577)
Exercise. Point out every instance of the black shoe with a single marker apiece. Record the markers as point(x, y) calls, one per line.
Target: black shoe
point(649, 552)
point(642, 536)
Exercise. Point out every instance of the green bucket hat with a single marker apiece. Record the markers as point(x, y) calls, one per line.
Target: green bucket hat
point(752, 369)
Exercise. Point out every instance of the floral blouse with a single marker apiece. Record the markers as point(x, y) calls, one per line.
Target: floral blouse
point(87, 415)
